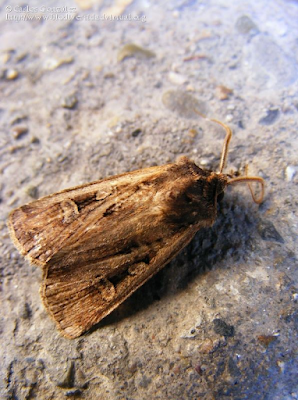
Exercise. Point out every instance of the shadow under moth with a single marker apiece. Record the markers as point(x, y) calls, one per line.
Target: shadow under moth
point(97, 243)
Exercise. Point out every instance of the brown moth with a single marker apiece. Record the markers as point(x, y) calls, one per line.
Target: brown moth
point(97, 243)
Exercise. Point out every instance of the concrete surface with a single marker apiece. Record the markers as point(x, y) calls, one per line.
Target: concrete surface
point(220, 321)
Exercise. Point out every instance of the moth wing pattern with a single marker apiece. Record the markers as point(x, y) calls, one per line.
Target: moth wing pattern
point(68, 214)
point(78, 298)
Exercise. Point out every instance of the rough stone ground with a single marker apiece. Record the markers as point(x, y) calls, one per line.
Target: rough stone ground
point(220, 321)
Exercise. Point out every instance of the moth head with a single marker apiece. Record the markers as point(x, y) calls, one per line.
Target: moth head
point(221, 182)
point(215, 187)
point(193, 198)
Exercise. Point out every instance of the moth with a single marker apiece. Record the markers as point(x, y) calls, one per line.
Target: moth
point(97, 243)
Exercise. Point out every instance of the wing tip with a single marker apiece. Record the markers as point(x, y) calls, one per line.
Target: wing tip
point(17, 234)
point(12, 229)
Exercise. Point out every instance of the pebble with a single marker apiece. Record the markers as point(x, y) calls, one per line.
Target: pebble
point(176, 78)
point(183, 103)
point(208, 346)
point(268, 232)
point(204, 161)
point(133, 50)
point(265, 340)
point(192, 133)
point(270, 117)
point(281, 365)
point(222, 328)
point(295, 296)
point(32, 191)
point(11, 74)
point(70, 102)
point(136, 132)
point(53, 63)
point(223, 92)
point(291, 171)
point(245, 25)
point(19, 131)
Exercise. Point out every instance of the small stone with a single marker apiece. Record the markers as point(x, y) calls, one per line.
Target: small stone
point(281, 365)
point(32, 191)
point(136, 132)
point(208, 346)
point(245, 25)
point(190, 334)
point(291, 171)
point(69, 377)
point(197, 57)
point(183, 104)
point(270, 117)
point(192, 133)
point(11, 74)
point(27, 312)
point(21, 56)
point(109, 75)
point(19, 131)
point(223, 92)
point(222, 328)
point(133, 50)
point(199, 369)
point(176, 78)
point(81, 381)
point(295, 297)
point(54, 63)
point(265, 340)
point(204, 162)
point(14, 149)
point(268, 232)
point(35, 140)
point(70, 101)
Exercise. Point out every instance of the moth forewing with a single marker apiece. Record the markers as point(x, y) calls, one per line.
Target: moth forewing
point(42, 227)
point(78, 304)
point(98, 243)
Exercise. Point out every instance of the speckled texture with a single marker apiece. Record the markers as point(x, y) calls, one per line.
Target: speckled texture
point(219, 322)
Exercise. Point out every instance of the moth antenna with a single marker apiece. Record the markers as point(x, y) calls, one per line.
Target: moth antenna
point(228, 137)
point(223, 159)
point(248, 179)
